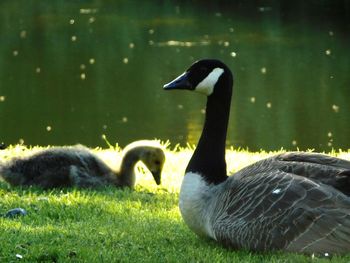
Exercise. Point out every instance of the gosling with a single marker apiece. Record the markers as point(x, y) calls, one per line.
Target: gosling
point(77, 166)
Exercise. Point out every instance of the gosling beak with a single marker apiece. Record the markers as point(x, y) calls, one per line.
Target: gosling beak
point(181, 82)
point(156, 176)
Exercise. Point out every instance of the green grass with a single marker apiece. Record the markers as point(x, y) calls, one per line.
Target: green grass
point(114, 225)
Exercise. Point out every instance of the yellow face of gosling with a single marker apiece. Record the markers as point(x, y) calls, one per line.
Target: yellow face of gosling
point(154, 159)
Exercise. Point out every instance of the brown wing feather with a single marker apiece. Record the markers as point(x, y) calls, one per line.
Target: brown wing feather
point(276, 210)
point(318, 167)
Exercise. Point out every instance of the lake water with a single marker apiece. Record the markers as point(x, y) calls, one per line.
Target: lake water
point(71, 71)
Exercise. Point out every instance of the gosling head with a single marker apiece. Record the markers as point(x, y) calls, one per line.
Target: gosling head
point(154, 159)
point(151, 154)
point(204, 76)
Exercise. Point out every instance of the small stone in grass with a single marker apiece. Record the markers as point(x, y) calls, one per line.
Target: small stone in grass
point(15, 212)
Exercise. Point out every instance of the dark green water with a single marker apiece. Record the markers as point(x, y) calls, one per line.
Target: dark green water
point(71, 71)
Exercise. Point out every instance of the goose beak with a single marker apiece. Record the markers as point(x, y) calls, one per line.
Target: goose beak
point(156, 176)
point(181, 82)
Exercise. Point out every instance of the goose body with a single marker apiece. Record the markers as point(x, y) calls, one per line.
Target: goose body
point(77, 166)
point(296, 202)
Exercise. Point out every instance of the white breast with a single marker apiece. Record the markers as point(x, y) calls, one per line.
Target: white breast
point(195, 204)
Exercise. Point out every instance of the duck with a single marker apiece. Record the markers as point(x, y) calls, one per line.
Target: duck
point(77, 166)
point(293, 202)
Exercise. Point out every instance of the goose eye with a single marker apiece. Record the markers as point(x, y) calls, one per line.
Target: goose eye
point(203, 69)
point(157, 162)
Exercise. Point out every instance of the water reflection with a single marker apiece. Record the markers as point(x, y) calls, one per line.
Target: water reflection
point(174, 43)
point(71, 72)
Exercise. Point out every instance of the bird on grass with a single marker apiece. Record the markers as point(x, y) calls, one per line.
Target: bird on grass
point(77, 166)
point(295, 202)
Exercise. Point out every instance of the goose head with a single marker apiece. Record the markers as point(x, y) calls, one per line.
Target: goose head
point(206, 76)
point(154, 159)
point(214, 79)
point(148, 152)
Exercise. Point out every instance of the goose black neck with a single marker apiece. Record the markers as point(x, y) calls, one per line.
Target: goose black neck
point(208, 159)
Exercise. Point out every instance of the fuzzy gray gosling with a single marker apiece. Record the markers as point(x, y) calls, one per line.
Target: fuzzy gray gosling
point(77, 166)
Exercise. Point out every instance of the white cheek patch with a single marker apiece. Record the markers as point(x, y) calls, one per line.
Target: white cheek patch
point(207, 85)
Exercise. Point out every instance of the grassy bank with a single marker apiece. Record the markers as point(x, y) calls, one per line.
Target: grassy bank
point(112, 225)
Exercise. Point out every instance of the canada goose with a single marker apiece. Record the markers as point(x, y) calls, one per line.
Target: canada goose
point(297, 202)
point(78, 166)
